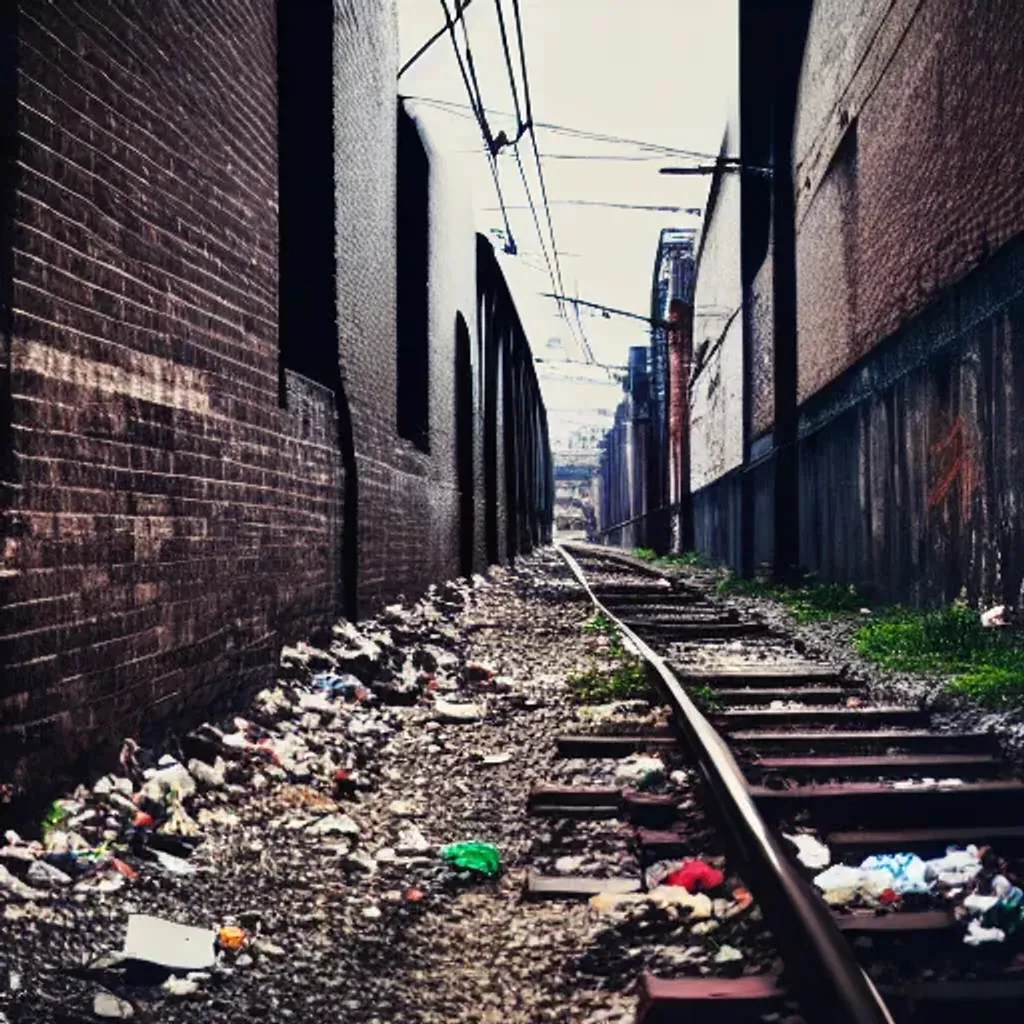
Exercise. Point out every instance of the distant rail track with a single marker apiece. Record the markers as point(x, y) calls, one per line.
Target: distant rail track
point(788, 741)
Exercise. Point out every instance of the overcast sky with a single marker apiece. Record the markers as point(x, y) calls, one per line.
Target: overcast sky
point(659, 71)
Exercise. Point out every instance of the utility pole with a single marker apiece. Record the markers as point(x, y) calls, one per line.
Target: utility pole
point(680, 357)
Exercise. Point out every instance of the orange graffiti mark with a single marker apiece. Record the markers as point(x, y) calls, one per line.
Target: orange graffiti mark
point(952, 451)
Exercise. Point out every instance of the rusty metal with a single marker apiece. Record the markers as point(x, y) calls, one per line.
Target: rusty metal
point(829, 982)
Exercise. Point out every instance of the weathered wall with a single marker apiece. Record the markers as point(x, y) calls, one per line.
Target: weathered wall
point(185, 485)
point(169, 522)
point(911, 464)
point(910, 164)
point(716, 384)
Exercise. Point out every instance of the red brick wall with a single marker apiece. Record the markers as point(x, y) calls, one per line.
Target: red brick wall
point(169, 522)
point(910, 162)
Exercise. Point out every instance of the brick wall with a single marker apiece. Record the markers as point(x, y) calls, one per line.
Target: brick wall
point(177, 499)
point(716, 384)
point(408, 497)
point(910, 161)
point(168, 522)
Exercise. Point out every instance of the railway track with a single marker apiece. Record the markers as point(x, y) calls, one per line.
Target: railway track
point(785, 745)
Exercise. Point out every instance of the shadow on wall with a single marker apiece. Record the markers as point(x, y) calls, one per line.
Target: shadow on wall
point(464, 443)
point(307, 294)
point(413, 257)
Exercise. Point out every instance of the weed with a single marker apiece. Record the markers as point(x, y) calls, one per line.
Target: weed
point(600, 625)
point(647, 554)
point(705, 697)
point(987, 665)
point(626, 681)
point(808, 599)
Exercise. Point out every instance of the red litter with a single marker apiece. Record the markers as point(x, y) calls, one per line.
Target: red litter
point(696, 875)
point(129, 872)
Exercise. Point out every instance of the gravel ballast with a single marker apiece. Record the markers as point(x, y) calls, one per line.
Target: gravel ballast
point(322, 825)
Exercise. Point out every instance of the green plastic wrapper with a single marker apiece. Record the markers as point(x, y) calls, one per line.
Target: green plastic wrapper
point(484, 858)
point(55, 817)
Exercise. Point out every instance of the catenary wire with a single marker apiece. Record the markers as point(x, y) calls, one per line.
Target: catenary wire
point(481, 118)
point(540, 170)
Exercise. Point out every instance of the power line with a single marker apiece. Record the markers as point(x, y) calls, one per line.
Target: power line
point(536, 219)
point(427, 45)
point(579, 362)
point(654, 147)
point(611, 309)
point(478, 110)
point(508, 64)
point(540, 170)
point(694, 210)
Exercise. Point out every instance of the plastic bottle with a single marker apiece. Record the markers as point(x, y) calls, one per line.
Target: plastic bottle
point(1008, 913)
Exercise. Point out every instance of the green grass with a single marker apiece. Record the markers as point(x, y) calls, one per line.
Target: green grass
point(705, 697)
point(987, 665)
point(626, 681)
point(808, 600)
point(691, 558)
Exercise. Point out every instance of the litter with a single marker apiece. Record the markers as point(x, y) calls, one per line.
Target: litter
point(1009, 911)
point(495, 758)
point(181, 987)
point(173, 865)
point(664, 896)
point(695, 875)
point(106, 1005)
point(995, 616)
point(483, 858)
point(640, 770)
point(979, 904)
point(811, 852)
point(841, 883)
point(231, 937)
point(957, 867)
point(727, 954)
point(346, 685)
point(166, 944)
point(42, 873)
point(977, 934)
point(447, 711)
point(907, 870)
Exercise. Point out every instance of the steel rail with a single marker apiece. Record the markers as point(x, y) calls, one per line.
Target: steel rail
point(827, 979)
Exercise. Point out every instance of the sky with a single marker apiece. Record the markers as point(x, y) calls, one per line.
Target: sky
point(657, 71)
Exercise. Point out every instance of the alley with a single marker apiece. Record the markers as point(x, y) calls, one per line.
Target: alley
point(314, 824)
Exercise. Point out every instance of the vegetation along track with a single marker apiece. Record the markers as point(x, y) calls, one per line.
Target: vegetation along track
point(789, 746)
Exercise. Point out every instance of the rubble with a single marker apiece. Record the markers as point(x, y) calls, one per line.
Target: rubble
point(288, 861)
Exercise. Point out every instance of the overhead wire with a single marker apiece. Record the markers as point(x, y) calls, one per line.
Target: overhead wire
point(554, 268)
point(427, 45)
point(694, 210)
point(654, 147)
point(584, 344)
point(481, 117)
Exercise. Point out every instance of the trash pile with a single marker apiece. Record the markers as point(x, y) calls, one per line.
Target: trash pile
point(317, 729)
point(695, 891)
point(968, 881)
